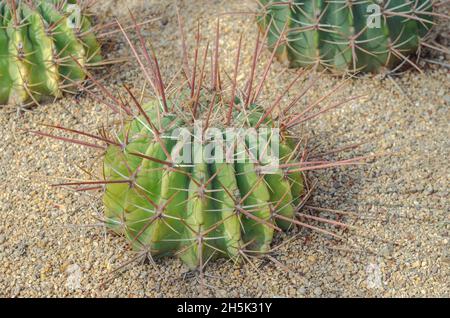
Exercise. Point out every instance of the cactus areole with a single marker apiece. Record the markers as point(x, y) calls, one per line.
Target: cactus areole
point(346, 36)
point(44, 47)
point(200, 207)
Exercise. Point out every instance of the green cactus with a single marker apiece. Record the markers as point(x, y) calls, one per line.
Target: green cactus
point(198, 173)
point(201, 210)
point(368, 35)
point(44, 47)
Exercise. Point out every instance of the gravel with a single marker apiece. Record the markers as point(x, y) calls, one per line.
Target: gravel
point(51, 244)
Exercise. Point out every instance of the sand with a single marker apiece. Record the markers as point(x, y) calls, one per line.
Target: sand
point(51, 244)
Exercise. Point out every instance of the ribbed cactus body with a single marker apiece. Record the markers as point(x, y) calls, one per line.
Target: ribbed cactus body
point(44, 46)
point(196, 211)
point(366, 35)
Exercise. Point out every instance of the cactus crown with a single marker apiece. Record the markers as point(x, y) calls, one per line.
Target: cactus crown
point(348, 36)
point(202, 209)
point(44, 47)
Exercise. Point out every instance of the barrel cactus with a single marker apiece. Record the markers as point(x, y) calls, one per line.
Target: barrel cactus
point(204, 171)
point(44, 47)
point(346, 36)
point(201, 208)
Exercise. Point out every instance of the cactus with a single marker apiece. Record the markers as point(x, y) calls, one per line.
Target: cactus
point(169, 198)
point(196, 210)
point(44, 47)
point(347, 36)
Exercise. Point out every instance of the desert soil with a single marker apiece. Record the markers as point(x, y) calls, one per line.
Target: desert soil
point(51, 244)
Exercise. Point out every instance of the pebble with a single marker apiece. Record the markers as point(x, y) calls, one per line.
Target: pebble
point(416, 264)
point(317, 291)
point(428, 190)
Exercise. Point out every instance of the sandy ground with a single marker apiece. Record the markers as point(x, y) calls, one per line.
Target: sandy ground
point(52, 245)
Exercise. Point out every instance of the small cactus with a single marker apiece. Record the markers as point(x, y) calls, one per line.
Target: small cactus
point(167, 200)
point(200, 209)
point(347, 36)
point(44, 47)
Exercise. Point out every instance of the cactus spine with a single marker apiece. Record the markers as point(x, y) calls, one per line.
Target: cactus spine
point(44, 47)
point(368, 35)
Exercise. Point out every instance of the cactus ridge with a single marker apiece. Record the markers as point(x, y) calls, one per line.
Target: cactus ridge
point(347, 36)
point(206, 209)
point(44, 47)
